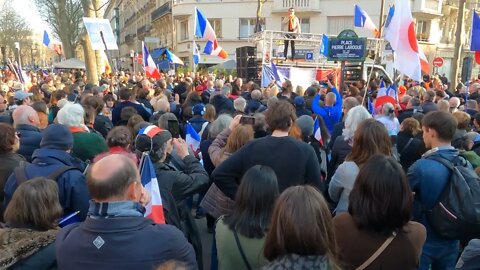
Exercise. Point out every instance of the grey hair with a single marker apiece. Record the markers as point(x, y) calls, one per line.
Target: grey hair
point(239, 104)
point(388, 110)
point(163, 120)
point(217, 126)
point(355, 116)
point(71, 115)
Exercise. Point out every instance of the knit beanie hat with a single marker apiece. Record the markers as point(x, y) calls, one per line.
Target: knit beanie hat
point(58, 137)
point(305, 123)
point(198, 109)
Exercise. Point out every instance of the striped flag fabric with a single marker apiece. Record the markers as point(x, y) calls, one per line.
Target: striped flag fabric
point(400, 32)
point(192, 138)
point(172, 58)
point(362, 20)
point(385, 95)
point(148, 64)
point(317, 132)
point(154, 209)
point(196, 53)
point(203, 29)
point(56, 46)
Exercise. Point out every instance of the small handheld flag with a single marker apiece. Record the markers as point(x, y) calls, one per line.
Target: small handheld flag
point(192, 138)
point(149, 65)
point(317, 132)
point(154, 209)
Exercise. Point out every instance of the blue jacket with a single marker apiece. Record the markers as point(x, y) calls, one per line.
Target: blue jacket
point(128, 243)
point(222, 104)
point(116, 112)
point(330, 114)
point(254, 106)
point(428, 179)
point(30, 137)
point(72, 187)
point(197, 123)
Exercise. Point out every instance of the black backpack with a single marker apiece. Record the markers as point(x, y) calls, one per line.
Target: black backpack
point(457, 213)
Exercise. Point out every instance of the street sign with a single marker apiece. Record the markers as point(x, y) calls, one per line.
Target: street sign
point(347, 46)
point(438, 62)
point(309, 56)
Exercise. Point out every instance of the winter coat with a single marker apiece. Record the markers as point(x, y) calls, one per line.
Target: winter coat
point(216, 149)
point(72, 187)
point(103, 125)
point(121, 243)
point(412, 153)
point(222, 104)
point(8, 161)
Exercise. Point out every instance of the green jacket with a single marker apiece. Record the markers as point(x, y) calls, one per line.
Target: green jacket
point(472, 157)
point(228, 253)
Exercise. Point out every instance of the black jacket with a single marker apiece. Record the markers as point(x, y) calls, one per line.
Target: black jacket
point(412, 152)
point(121, 243)
point(222, 104)
point(337, 131)
point(429, 107)
point(293, 161)
point(177, 185)
point(408, 113)
point(102, 124)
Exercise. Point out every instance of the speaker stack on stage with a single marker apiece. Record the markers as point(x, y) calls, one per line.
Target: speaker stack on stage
point(247, 63)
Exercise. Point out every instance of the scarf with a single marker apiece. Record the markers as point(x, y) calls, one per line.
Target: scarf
point(99, 210)
point(291, 23)
point(18, 244)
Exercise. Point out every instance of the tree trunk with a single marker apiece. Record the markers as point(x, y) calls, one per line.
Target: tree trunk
point(457, 52)
point(88, 52)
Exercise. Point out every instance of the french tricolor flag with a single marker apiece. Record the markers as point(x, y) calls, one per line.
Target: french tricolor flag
point(57, 47)
point(317, 132)
point(362, 19)
point(149, 65)
point(154, 209)
point(204, 29)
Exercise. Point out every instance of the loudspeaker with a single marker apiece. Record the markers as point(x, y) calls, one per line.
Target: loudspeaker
point(247, 62)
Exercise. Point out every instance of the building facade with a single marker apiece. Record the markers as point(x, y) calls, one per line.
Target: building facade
point(171, 23)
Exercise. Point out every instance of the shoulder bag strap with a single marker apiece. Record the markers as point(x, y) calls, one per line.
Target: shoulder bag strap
point(241, 250)
point(377, 253)
point(406, 146)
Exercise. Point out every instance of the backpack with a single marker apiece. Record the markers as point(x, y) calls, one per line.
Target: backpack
point(457, 213)
point(21, 177)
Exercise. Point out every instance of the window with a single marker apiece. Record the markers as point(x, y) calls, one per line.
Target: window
point(217, 26)
point(421, 29)
point(247, 26)
point(338, 23)
point(184, 30)
point(304, 25)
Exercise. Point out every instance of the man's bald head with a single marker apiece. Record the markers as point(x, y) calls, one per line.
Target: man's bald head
point(25, 115)
point(109, 178)
point(330, 99)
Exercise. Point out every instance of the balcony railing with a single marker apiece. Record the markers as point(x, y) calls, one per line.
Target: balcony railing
point(299, 5)
point(161, 11)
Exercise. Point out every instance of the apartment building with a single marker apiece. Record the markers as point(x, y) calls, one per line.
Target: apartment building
point(170, 23)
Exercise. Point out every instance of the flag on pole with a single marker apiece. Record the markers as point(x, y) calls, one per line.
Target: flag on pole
point(384, 95)
point(172, 58)
point(475, 40)
point(150, 68)
point(192, 138)
point(196, 53)
point(56, 46)
point(317, 132)
point(362, 20)
point(105, 66)
point(204, 29)
point(46, 38)
point(154, 209)
point(400, 32)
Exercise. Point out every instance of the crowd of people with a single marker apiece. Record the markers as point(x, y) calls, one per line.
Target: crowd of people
point(284, 177)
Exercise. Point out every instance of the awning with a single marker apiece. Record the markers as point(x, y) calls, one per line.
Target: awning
point(72, 63)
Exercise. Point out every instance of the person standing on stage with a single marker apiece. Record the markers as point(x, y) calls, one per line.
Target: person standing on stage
point(293, 25)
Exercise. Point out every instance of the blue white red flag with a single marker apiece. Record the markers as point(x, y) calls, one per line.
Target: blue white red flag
point(154, 209)
point(149, 65)
point(203, 29)
point(362, 20)
point(317, 132)
point(192, 138)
